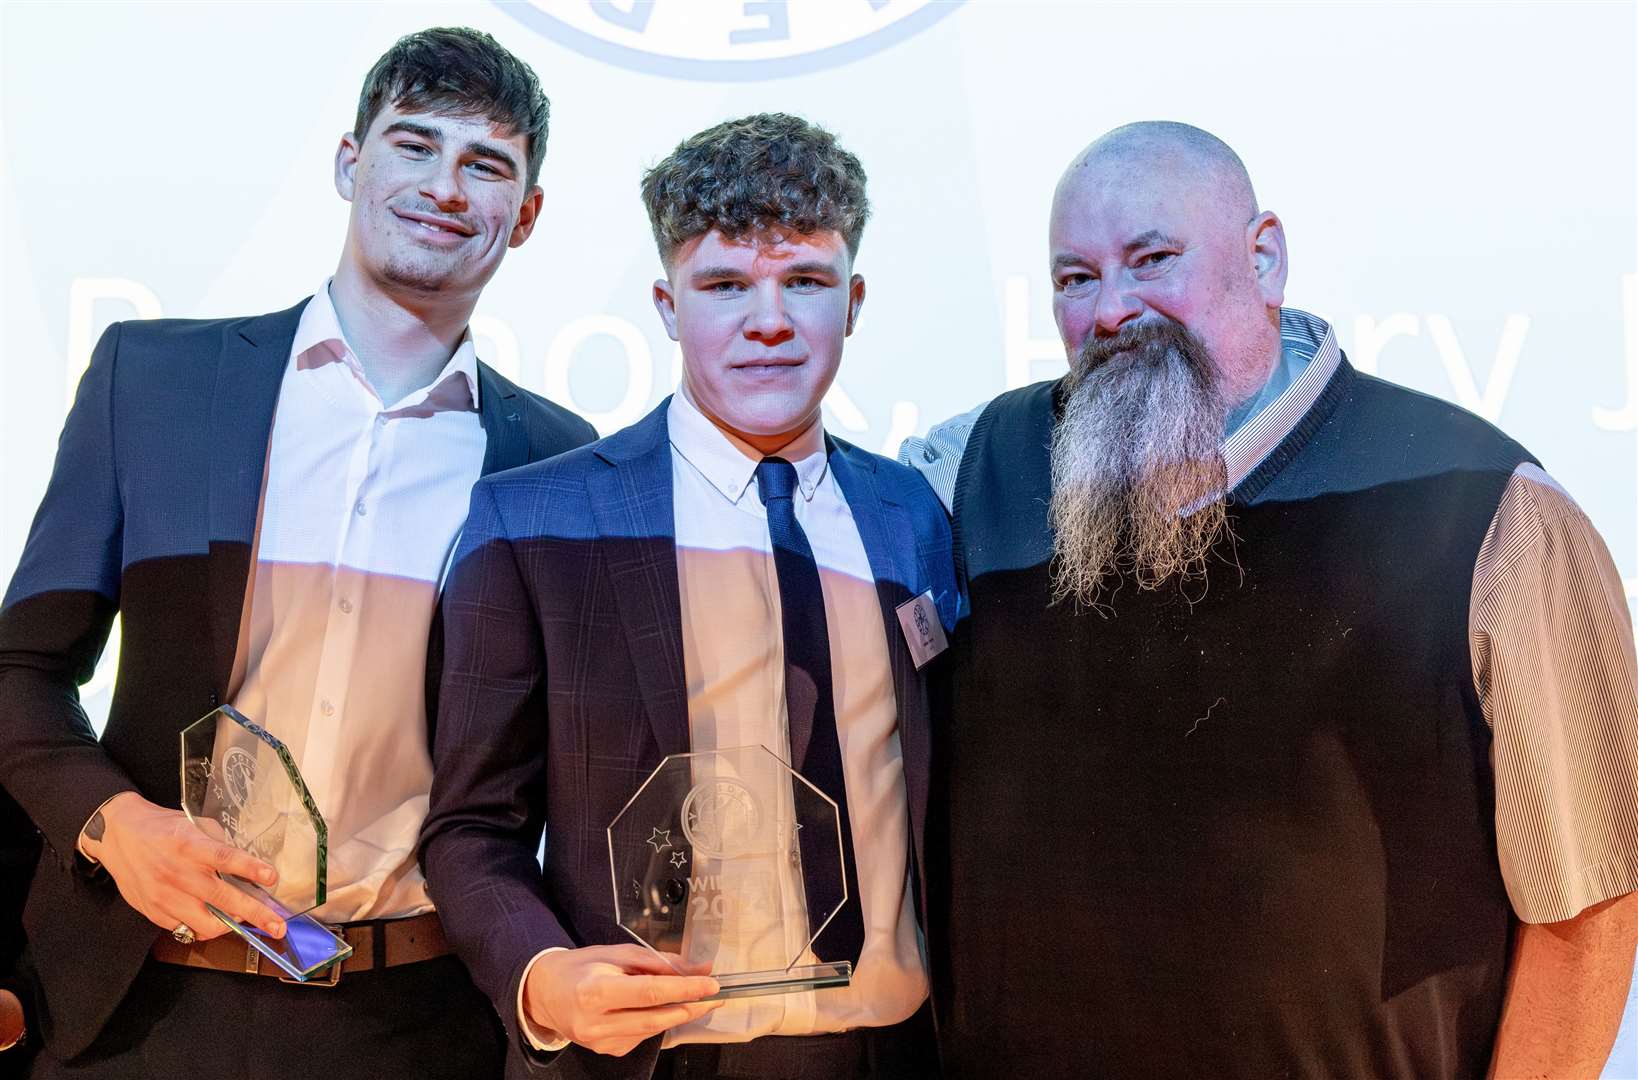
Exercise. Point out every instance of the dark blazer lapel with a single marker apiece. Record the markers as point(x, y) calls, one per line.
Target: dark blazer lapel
point(632, 505)
point(506, 442)
point(249, 369)
point(890, 545)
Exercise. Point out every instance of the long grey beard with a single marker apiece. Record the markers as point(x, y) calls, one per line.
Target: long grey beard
point(1138, 479)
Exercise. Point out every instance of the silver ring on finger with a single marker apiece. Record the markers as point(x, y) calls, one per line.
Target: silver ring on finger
point(183, 934)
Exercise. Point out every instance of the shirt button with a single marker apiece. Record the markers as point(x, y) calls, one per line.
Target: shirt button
point(326, 708)
point(346, 606)
point(359, 508)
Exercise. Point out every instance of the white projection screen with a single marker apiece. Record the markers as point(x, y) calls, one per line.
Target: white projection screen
point(1458, 184)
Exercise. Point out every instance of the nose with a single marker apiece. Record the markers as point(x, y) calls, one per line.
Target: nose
point(1113, 309)
point(768, 321)
point(442, 184)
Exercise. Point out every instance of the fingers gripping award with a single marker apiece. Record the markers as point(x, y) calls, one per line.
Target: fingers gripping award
point(241, 786)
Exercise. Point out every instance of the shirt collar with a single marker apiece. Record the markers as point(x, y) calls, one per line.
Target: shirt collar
point(319, 340)
point(1309, 356)
point(728, 462)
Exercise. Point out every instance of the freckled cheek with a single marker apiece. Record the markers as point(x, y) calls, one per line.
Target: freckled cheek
point(499, 217)
point(379, 193)
point(375, 177)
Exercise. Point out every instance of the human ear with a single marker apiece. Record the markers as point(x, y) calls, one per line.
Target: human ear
point(665, 302)
point(528, 214)
point(1265, 240)
point(855, 300)
point(346, 165)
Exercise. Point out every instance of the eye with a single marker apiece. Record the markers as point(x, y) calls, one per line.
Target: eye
point(1072, 280)
point(724, 287)
point(414, 149)
point(807, 283)
point(487, 169)
point(1155, 258)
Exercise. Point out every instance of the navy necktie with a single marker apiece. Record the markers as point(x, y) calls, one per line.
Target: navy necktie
point(809, 700)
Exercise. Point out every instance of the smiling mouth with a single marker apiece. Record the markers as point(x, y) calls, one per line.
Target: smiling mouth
point(433, 226)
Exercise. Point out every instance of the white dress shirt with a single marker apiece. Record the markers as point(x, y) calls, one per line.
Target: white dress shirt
point(734, 661)
point(361, 506)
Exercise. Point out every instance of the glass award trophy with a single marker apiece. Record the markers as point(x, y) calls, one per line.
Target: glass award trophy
point(240, 786)
point(731, 860)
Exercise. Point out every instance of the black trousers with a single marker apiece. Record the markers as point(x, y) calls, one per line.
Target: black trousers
point(904, 1051)
point(422, 1020)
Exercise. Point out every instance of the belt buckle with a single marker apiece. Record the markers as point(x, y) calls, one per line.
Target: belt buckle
point(328, 978)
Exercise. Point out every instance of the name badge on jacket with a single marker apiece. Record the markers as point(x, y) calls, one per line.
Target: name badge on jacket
point(922, 630)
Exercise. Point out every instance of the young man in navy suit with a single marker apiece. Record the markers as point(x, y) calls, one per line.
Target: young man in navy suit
point(720, 574)
point(286, 561)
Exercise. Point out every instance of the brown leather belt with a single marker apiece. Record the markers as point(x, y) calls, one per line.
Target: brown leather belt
point(380, 943)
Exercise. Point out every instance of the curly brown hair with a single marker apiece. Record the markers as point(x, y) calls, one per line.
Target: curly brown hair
point(767, 171)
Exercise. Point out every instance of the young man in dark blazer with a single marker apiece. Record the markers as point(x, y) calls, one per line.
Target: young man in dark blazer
point(720, 574)
point(269, 503)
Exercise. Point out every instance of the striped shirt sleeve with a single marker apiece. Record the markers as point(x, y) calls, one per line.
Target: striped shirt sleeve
point(1553, 665)
point(937, 457)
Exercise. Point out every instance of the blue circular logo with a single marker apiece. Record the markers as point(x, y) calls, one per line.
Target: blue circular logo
point(728, 40)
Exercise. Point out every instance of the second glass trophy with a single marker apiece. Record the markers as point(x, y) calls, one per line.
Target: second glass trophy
point(731, 860)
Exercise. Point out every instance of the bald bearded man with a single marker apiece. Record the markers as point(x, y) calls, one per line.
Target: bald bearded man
point(1291, 726)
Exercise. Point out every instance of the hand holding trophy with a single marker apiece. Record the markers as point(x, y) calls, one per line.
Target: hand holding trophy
point(241, 786)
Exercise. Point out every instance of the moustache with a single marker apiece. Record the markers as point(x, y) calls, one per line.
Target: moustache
point(1145, 344)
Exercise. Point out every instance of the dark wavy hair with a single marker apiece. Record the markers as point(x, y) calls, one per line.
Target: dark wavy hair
point(458, 71)
point(765, 171)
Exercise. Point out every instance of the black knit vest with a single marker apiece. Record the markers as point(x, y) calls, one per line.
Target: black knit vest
point(1248, 833)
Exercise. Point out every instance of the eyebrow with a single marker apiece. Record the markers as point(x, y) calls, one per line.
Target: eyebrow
point(712, 273)
point(715, 273)
point(433, 135)
point(1153, 236)
point(823, 269)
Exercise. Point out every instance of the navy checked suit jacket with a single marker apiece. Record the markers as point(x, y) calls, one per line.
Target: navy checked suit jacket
point(151, 512)
point(564, 688)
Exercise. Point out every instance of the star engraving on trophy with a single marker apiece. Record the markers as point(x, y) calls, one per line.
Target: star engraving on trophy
point(678, 859)
point(661, 839)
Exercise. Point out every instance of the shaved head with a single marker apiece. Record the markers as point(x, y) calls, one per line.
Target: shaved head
point(1134, 153)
